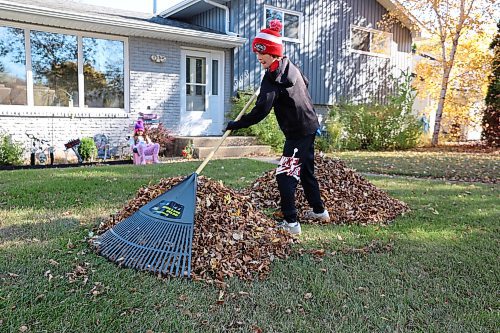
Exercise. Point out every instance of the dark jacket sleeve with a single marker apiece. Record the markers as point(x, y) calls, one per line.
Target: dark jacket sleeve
point(262, 107)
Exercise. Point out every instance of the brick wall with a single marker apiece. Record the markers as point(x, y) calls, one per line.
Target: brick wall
point(154, 88)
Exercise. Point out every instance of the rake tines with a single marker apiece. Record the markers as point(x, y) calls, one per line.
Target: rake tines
point(158, 237)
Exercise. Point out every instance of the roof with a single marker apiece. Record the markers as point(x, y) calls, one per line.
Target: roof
point(84, 17)
point(189, 8)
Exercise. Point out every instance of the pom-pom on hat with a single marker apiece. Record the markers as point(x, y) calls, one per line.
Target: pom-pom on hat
point(139, 126)
point(269, 41)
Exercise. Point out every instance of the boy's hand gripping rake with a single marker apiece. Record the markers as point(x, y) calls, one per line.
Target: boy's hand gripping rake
point(158, 237)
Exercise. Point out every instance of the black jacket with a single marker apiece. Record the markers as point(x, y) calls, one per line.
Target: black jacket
point(285, 89)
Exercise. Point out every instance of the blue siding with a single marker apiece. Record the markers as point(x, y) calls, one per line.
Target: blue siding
point(334, 71)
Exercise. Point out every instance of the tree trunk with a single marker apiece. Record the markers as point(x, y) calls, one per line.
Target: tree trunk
point(439, 111)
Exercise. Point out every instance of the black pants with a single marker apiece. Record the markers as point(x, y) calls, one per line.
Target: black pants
point(297, 163)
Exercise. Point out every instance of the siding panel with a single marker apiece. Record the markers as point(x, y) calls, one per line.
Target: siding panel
point(324, 55)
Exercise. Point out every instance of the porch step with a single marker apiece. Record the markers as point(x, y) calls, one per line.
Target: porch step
point(233, 146)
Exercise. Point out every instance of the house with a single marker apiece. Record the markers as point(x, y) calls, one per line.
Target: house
point(337, 44)
point(70, 70)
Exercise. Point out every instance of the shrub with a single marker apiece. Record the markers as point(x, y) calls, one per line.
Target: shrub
point(87, 149)
point(373, 126)
point(267, 131)
point(331, 134)
point(378, 127)
point(163, 137)
point(11, 153)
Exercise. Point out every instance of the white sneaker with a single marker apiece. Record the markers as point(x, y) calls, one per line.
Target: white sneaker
point(321, 217)
point(292, 228)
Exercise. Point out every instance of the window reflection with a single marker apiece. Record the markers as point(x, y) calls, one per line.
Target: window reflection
point(103, 70)
point(215, 77)
point(291, 26)
point(55, 69)
point(196, 82)
point(290, 22)
point(360, 40)
point(12, 67)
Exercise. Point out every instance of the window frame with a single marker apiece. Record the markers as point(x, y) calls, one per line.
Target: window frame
point(371, 31)
point(81, 89)
point(290, 12)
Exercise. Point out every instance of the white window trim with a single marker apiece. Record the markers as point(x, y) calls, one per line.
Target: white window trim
point(287, 11)
point(374, 54)
point(75, 111)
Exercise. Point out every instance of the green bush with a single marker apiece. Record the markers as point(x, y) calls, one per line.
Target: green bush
point(378, 127)
point(267, 131)
point(11, 153)
point(87, 149)
point(331, 137)
point(373, 126)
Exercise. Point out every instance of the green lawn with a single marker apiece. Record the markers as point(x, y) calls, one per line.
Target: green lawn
point(433, 270)
point(483, 167)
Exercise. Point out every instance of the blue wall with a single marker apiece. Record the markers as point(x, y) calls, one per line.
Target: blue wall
point(335, 73)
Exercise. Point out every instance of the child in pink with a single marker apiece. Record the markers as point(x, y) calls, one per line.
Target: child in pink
point(143, 146)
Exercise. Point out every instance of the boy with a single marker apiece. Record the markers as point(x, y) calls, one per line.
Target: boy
point(285, 88)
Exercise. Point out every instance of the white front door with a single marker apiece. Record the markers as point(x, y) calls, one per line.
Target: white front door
point(202, 93)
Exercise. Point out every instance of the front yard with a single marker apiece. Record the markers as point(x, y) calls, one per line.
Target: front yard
point(432, 270)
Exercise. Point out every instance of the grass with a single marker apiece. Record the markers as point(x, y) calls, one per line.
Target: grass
point(435, 269)
point(483, 167)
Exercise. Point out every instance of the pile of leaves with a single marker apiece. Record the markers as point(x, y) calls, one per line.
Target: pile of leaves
point(348, 197)
point(231, 237)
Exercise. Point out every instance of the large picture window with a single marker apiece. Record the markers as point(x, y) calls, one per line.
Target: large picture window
point(12, 67)
point(371, 41)
point(103, 74)
point(54, 62)
point(68, 69)
point(289, 19)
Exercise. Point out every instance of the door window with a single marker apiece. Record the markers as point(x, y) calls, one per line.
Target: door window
point(196, 83)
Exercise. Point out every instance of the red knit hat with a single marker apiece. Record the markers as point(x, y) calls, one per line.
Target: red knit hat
point(268, 41)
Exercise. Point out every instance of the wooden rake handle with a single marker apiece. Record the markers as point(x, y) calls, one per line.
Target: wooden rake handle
point(226, 134)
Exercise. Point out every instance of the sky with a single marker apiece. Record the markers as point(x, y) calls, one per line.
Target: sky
point(145, 6)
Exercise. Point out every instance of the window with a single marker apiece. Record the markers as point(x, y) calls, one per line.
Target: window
point(370, 41)
point(12, 67)
point(290, 20)
point(196, 81)
point(54, 62)
point(58, 78)
point(103, 75)
point(215, 77)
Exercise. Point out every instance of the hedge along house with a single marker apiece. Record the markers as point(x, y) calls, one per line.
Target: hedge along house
point(337, 43)
point(70, 70)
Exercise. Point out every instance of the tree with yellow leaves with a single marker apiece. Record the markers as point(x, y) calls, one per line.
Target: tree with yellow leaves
point(468, 80)
point(448, 21)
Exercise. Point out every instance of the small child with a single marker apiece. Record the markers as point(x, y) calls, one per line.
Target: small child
point(142, 145)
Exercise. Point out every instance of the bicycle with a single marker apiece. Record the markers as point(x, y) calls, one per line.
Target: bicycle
point(39, 151)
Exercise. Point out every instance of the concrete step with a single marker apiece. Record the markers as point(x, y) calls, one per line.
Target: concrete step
point(233, 146)
point(234, 151)
point(211, 141)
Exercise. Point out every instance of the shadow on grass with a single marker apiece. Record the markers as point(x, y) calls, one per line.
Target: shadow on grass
point(36, 232)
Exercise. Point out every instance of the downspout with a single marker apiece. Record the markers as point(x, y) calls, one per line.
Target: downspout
point(226, 9)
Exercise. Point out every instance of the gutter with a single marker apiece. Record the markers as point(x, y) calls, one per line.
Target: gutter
point(199, 36)
point(226, 9)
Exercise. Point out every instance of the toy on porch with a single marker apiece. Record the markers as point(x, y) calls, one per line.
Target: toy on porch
point(142, 148)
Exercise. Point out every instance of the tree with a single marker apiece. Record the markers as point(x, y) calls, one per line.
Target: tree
point(491, 117)
point(447, 20)
point(468, 80)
